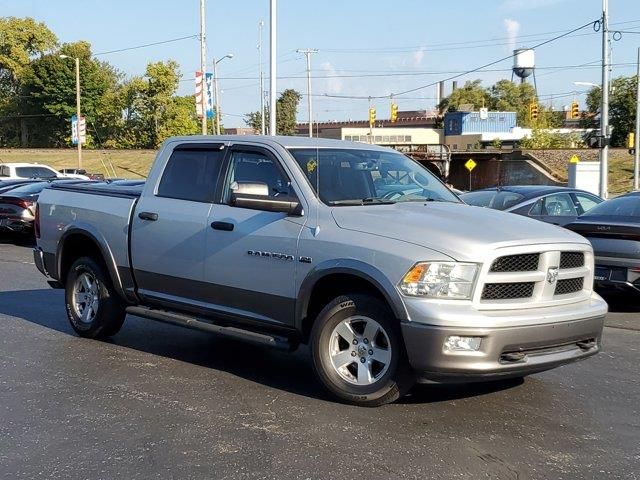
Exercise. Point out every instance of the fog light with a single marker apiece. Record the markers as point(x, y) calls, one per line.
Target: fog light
point(455, 343)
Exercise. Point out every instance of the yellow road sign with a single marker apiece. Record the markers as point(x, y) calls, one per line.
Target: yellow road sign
point(470, 164)
point(574, 159)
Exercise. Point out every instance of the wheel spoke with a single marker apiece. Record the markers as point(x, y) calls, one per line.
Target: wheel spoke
point(86, 313)
point(364, 374)
point(381, 355)
point(86, 282)
point(342, 359)
point(371, 330)
point(345, 331)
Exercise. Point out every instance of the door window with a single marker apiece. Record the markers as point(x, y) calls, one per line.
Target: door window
point(258, 169)
point(556, 205)
point(587, 202)
point(191, 175)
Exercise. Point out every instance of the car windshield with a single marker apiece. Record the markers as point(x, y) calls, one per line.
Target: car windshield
point(363, 177)
point(28, 189)
point(617, 207)
point(35, 172)
point(496, 199)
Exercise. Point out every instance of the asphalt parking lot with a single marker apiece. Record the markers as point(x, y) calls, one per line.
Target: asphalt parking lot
point(161, 402)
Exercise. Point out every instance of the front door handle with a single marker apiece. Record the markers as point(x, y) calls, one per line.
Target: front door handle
point(148, 216)
point(225, 226)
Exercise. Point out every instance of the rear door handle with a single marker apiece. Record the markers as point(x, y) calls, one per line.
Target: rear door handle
point(225, 226)
point(148, 216)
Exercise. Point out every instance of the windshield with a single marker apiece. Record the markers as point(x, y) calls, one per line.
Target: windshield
point(617, 207)
point(498, 200)
point(359, 177)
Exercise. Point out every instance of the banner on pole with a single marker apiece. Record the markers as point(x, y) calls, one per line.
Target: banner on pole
point(204, 88)
point(74, 130)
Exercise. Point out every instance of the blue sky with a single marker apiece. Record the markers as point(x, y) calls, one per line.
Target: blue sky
point(366, 48)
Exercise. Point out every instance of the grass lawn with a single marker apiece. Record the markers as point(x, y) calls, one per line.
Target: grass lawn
point(125, 163)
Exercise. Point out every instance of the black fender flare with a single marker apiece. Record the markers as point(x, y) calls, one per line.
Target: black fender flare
point(353, 267)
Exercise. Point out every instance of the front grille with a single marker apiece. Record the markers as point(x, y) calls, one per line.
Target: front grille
point(527, 262)
point(569, 285)
point(571, 260)
point(506, 291)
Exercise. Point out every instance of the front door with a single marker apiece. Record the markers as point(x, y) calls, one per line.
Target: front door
point(251, 255)
point(170, 228)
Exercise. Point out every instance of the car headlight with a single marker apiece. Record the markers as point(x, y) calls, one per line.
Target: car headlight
point(440, 280)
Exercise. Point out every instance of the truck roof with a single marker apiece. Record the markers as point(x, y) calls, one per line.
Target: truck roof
point(283, 141)
point(23, 164)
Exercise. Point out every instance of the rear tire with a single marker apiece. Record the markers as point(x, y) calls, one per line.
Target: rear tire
point(358, 352)
point(93, 307)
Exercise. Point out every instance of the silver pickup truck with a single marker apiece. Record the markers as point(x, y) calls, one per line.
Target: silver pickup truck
point(353, 249)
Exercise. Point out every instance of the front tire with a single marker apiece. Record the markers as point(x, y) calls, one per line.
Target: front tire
point(358, 352)
point(93, 307)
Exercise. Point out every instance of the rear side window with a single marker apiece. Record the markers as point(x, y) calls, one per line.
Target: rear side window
point(35, 172)
point(4, 171)
point(498, 200)
point(191, 175)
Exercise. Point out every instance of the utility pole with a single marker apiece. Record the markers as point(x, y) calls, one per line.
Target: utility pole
point(308, 52)
point(636, 155)
point(272, 68)
point(215, 90)
point(262, 125)
point(604, 107)
point(203, 67)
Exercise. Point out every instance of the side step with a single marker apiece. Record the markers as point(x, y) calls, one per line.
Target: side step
point(281, 343)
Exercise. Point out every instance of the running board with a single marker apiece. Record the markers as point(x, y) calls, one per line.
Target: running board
point(281, 343)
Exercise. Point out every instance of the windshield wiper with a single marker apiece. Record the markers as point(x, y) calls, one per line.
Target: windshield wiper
point(363, 201)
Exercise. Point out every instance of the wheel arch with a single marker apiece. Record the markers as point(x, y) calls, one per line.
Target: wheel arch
point(332, 278)
point(79, 241)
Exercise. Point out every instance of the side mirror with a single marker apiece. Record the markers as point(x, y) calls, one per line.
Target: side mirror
point(289, 205)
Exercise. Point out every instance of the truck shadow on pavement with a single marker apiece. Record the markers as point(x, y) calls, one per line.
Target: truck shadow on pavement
point(291, 372)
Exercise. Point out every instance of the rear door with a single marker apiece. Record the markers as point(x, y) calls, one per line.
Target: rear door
point(251, 255)
point(557, 208)
point(170, 226)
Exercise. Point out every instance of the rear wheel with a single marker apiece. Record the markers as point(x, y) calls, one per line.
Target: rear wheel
point(358, 351)
point(93, 308)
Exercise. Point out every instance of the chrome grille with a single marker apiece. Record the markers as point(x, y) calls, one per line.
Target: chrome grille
point(527, 262)
point(571, 260)
point(506, 291)
point(569, 285)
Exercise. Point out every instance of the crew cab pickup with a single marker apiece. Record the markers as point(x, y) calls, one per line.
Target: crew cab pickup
point(356, 250)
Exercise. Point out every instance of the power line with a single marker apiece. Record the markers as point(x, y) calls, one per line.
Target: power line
point(163, 42)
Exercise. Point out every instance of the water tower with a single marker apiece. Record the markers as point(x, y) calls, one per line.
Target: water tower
point(524, 64)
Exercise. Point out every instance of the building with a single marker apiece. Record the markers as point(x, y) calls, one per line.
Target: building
point(406, 119)
point(392, 137)
point(475, 130)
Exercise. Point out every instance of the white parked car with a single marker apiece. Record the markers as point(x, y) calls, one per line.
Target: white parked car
point(33, 170)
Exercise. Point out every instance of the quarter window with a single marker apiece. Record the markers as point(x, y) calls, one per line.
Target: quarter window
point(587, 202)
point(191, 174)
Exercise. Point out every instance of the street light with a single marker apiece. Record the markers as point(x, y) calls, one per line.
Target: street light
point(77, 107)
point(215, 86)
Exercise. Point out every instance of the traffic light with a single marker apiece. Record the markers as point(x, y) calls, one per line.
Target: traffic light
point(394, 112)
point(575, 110)
point(372, 116)
point(533, 111)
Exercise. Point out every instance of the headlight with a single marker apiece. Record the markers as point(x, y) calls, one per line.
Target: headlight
point(440, 280)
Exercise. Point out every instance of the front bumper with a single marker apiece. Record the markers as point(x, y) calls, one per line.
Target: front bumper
point(504, 351)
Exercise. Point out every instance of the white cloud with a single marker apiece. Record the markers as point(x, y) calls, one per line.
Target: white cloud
point(418, 56)
point(528, 4)
point(332, 85)
point(513, 27)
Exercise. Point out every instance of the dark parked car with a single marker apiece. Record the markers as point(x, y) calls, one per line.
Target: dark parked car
point(557, 205)
point(17, 204)
point(6, 185)
point(613, 228)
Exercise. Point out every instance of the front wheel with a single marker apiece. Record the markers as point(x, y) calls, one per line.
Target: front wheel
point(358, 352)
point(93, 308)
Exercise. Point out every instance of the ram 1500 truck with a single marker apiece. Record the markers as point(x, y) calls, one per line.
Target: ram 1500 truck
point(356, 250)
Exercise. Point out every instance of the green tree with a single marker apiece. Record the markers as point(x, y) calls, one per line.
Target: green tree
point(506, 96)
point(472, 93)
point(287, 110)
point(49, 92)
point(622, 108)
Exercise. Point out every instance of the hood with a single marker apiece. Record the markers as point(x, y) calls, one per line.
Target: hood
point(454, 229)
